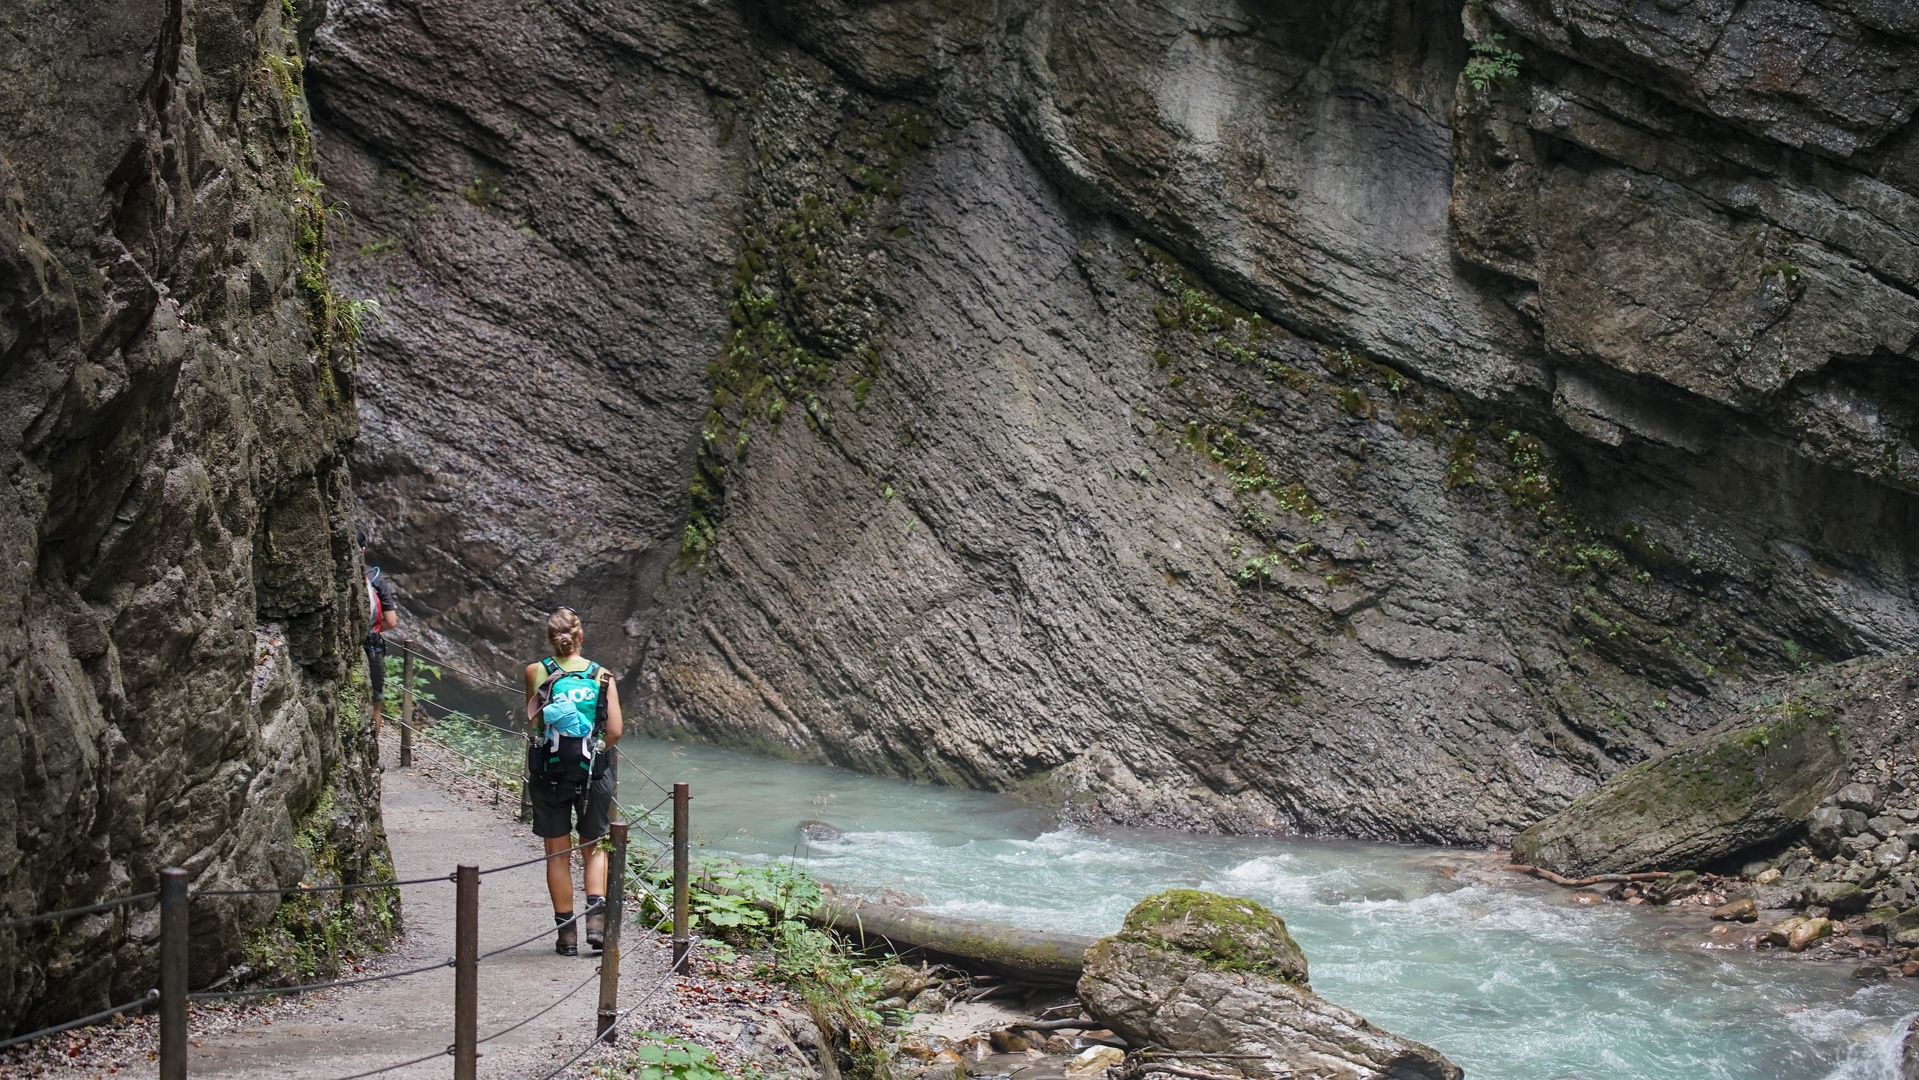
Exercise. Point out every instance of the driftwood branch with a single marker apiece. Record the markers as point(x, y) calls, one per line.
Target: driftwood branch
point(1182, 1054)
point(1542, 872)
point(1176, 1070)
point(1052, 1025)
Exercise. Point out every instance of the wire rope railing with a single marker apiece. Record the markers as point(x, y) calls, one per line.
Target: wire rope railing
point(172, 997)
point(308, 988)
point(116, 1010)
point(89, 909)
point(608, 1031)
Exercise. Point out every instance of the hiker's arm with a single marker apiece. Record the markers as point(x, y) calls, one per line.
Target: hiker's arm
point(389, 619)
point(612, 712)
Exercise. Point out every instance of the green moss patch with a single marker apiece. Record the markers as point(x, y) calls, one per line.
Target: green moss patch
point(1229, 933)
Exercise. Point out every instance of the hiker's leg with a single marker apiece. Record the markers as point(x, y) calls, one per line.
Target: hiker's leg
point(559, 873)
point(595, 871)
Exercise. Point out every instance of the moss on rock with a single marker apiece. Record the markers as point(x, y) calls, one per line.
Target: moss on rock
point(1709, 798)
point(315, 935)
point(1228, 932)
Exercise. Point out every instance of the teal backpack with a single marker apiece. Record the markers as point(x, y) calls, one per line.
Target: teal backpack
point(572, 710)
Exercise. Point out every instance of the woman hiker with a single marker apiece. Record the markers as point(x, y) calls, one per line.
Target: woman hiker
point(573, 722)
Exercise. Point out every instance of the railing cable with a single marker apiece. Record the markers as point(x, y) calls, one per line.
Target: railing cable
point(150, 997)
point(542, 858)
point(665, 976)
point(307, 988)
point(89, 909)
point(321, 888)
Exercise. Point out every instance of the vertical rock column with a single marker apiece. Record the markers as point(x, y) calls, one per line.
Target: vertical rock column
point(178, 602)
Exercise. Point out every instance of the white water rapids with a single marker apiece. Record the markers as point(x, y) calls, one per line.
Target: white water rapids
point(1509, 980)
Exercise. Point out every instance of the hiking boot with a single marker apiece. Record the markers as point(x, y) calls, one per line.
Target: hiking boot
point(596, 923)
point(568, 943)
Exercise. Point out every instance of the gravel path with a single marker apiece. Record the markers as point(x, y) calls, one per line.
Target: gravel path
point(437, 817)
point(430, 829)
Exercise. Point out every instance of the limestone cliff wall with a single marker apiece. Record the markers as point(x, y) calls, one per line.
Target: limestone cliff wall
point(180, 601)
point(1221, 414)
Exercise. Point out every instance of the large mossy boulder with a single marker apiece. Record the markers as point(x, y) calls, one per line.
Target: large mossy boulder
point(1708, 798)
point(1195, 972)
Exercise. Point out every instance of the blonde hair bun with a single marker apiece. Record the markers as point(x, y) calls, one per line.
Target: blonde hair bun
point(563, 632)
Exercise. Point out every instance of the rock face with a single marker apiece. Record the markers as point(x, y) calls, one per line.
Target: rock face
point(180, 600)
point(1216, 975)
point(1220, 415)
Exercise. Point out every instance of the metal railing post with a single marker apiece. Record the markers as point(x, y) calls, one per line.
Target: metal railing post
point(466, 972)
point(615, 916)
point(406, 712)
point(526, 787)
point(682, 795)
point(173, 974)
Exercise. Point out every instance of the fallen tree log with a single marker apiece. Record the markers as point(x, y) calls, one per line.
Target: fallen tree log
point(1031, 956)
point(1038, 956)
point(1596, 879)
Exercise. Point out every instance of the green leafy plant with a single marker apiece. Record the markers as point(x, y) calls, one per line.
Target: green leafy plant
point(1490, 63)
point(663, 1057)
point(741, 901)
point(390, 699)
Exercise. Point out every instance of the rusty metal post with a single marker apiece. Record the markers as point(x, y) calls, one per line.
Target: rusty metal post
point(526, 784)
point(406, 712)
point(682, 795)
point(173, 974)
point(615, 917)
point(466, 972)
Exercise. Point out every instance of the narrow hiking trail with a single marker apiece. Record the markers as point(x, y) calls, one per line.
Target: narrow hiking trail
point(437, 817)
point(431, 828)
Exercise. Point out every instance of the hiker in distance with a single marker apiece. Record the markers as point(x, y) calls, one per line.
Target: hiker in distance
point(572, 724)
point(384, 603)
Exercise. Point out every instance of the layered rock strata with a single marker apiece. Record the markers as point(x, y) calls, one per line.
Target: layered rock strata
point(1221, 415)
point(181, 600)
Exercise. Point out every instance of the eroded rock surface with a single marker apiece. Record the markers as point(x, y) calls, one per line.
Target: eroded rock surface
point(1574, 404)
point(1217, 975)
point(180, 597)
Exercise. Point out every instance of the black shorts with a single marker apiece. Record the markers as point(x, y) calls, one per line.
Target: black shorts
point(554, 814)
point(376, 669)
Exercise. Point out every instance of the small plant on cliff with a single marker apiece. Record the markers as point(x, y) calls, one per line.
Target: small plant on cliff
point(1491, 63)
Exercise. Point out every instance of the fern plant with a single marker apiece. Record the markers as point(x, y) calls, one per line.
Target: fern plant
point(1491, 63)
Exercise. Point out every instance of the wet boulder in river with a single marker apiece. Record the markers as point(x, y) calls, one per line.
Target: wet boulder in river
point(1192, 971)
point(1709, 798)
point(819, 832)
